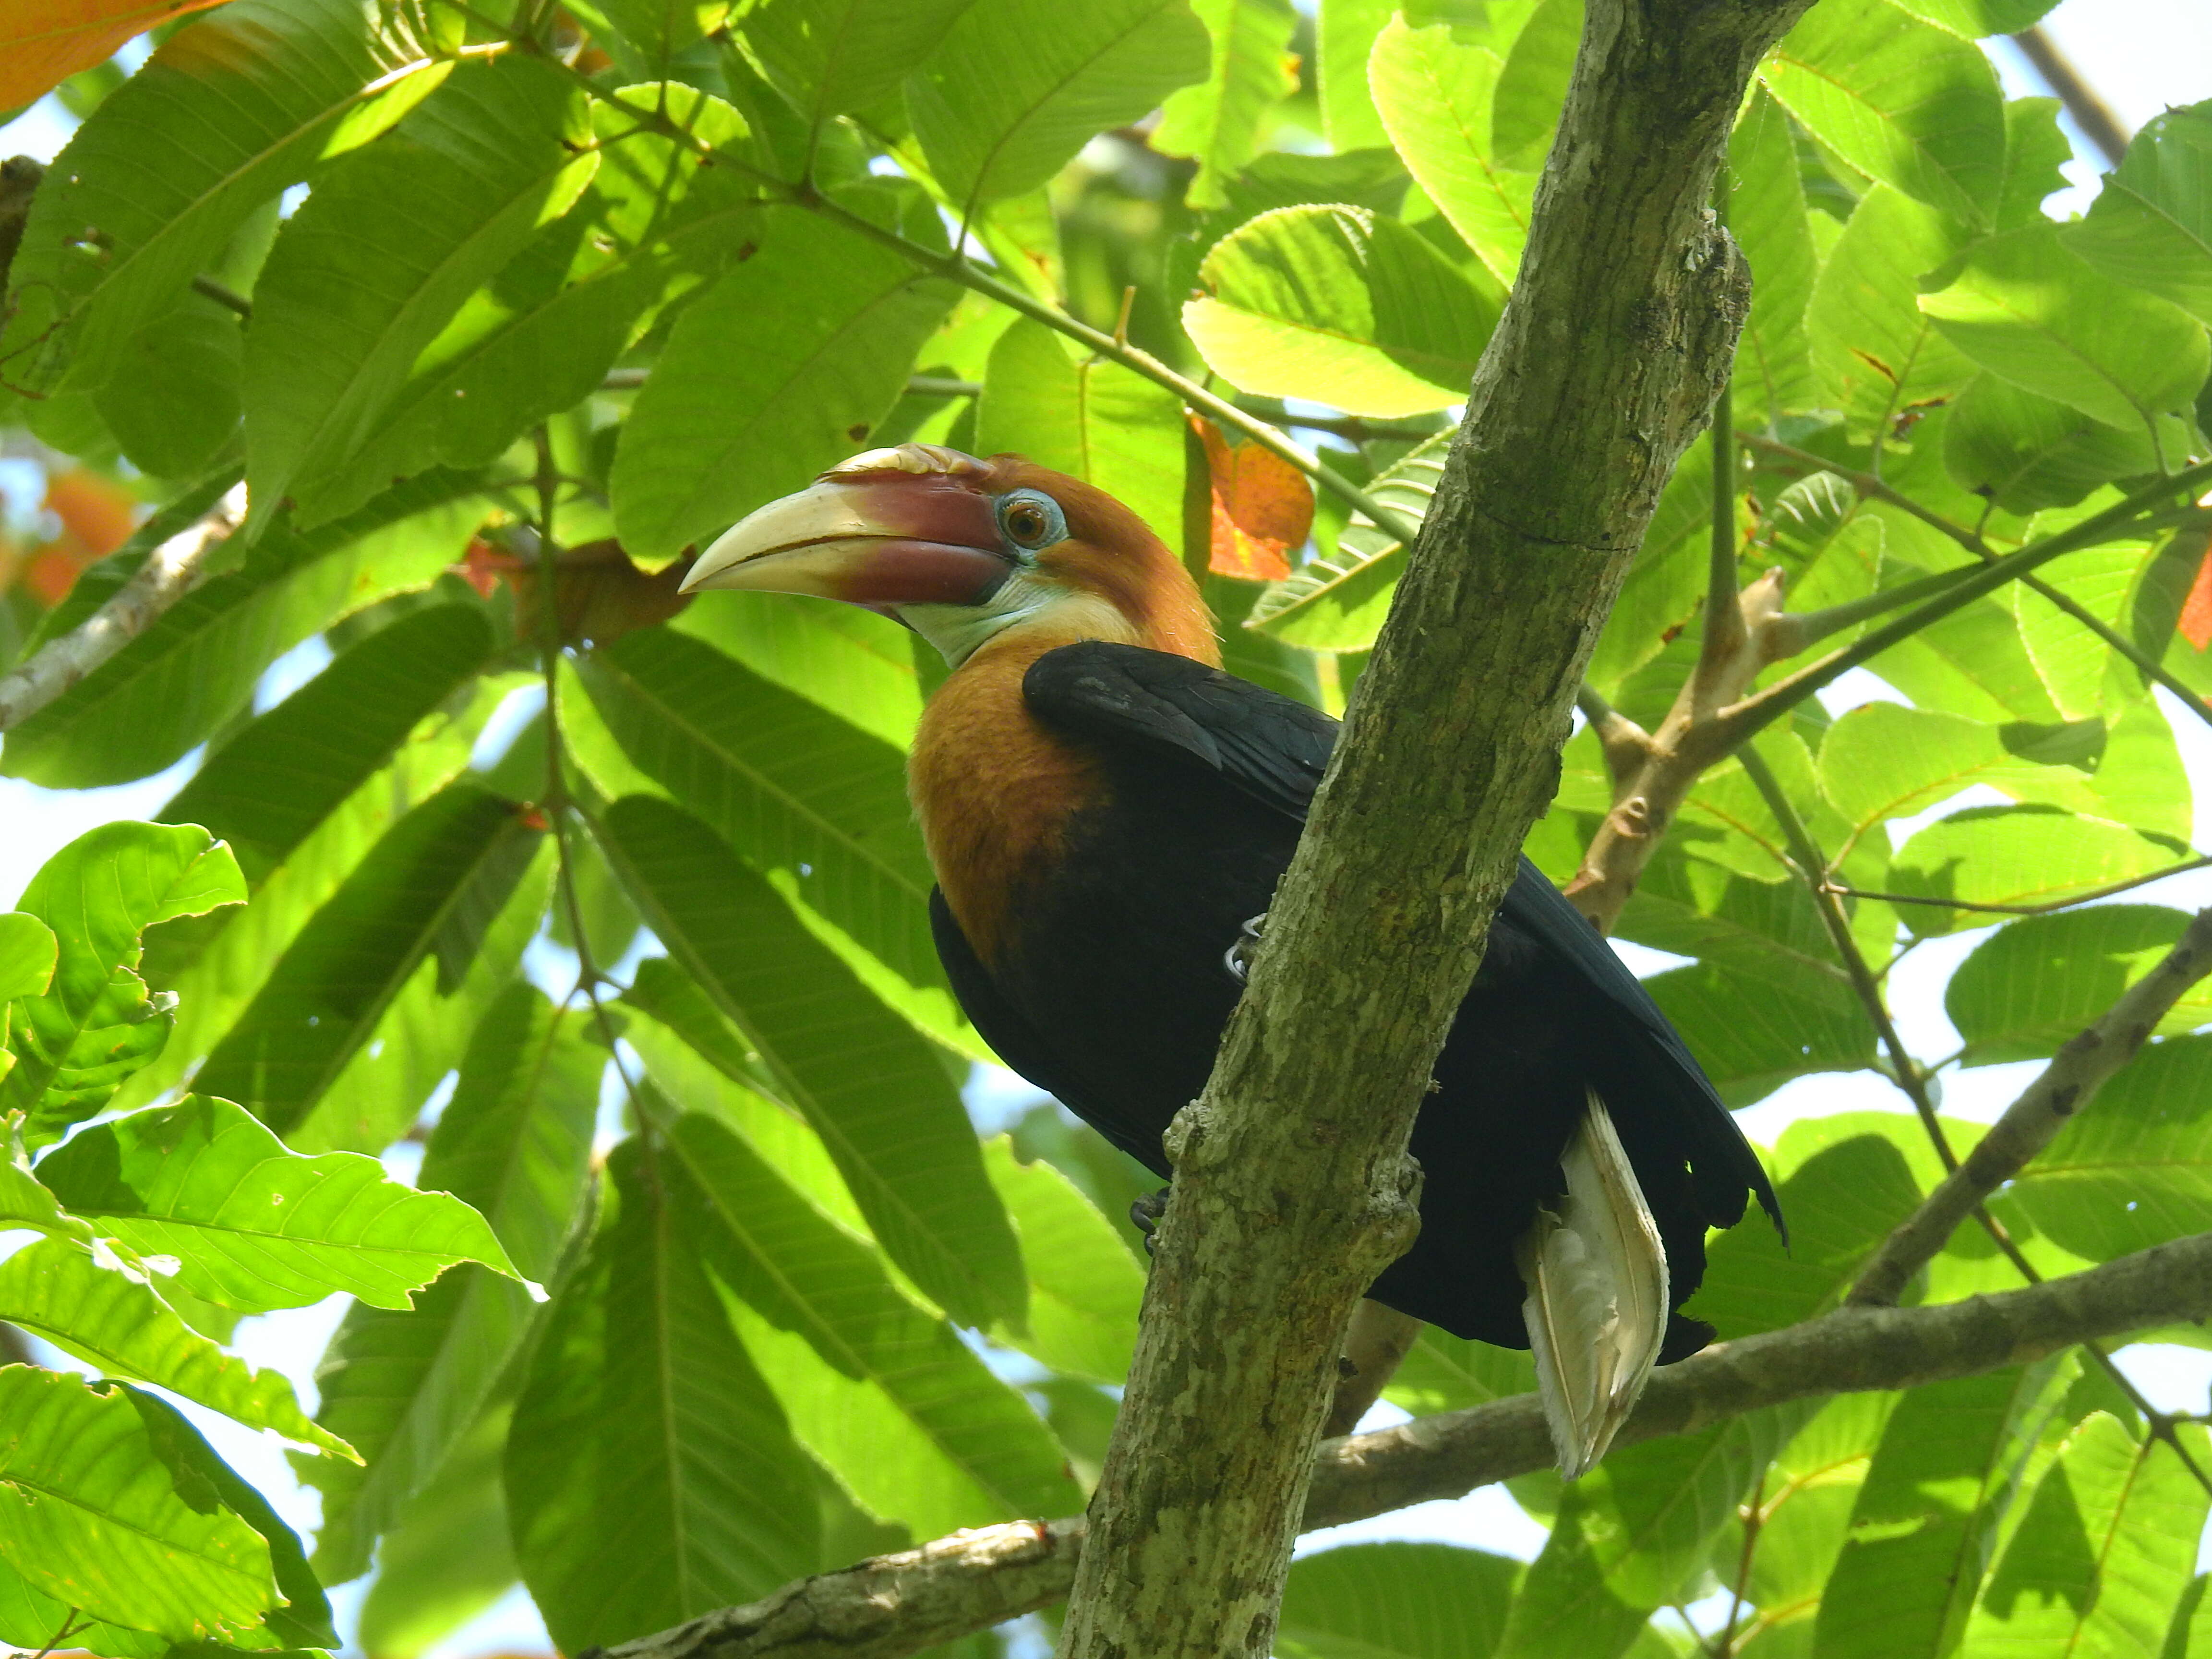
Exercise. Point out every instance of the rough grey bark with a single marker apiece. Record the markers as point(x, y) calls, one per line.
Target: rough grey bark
point(2031, 1123)
point(1292, 1184)
point(894, 1605)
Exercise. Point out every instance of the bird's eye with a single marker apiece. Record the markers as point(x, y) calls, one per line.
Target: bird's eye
point(1031, 519)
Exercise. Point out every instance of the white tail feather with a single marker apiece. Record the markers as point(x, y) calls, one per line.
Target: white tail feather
point(1596, 1275)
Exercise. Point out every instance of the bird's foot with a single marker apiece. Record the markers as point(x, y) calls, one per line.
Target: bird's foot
point(1145, 1214)
point(1238, 959)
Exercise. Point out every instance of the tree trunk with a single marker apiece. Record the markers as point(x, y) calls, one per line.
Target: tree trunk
point(1292, 1188)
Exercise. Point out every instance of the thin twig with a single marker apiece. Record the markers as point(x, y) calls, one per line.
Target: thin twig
point(2030, 1123)
point(2044, 910)
point(1869, 485)
point(1760, 710)
point(2090, 113)
point(1813, 869)
point(68, 1627)
point(228, 298)
point(171, 571)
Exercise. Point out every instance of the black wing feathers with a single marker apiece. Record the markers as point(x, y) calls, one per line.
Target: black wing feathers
point(1275, 750)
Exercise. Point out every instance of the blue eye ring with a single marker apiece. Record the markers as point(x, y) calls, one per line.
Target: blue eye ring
point(1030, 520)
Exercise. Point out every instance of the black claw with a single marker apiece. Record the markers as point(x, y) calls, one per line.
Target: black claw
point(1146, 1211)
point(1238, 959)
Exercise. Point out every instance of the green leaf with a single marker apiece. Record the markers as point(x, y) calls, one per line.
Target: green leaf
point(2036, 981)
point(28, 954)
point(403, 232)
point(1845, 1181)
point(781, 368)
point(871, 1088)
point(651, 1474)
point(2015, 855)
point(1218, 122)
point(2024, 307)
point(1446, 1373)
point(1337, 601)
point(1876, 354)
point(1533, 84)
point(216, 979)
point(1433, 94)
point(447, 1557)
point(1395, 1602)
point(94, 1514)
point(1628, 1536)
point(858, 666)
point(174, 402)
point(1085, 1286)
point(2025, 452)
point(2037, 151)
point(1767, 215)
point(1882, 760)
point(1345, 34)
point(94, 1025)
point(658, 31)
point(433, 883)
point(1340, 306)
point(1975, 18)
point(2108, 1544)
point(1910, 105)
point(2135, 1168)
point(280, 775)
point(831, 57)
point(253, 1226)
point(406, 1386)
point(1019, 86)
point(2151, 224)
point(223, 117)
point(1093, 420)
point(701, 1063)
point(105, 1312)
point(1805, 1509)
point(1752, 1035)
point(817, 806)
point(1921, 1528)
point(540, 336)
point(196, 668)
point(889, 1398)
point(380, 1094)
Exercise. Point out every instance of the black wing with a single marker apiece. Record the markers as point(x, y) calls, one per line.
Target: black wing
point(1275, 750)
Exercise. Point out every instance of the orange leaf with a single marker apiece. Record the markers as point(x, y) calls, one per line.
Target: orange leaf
point(100, 514)
point(44, 42)
point(1262, 509)
point(2195, 623)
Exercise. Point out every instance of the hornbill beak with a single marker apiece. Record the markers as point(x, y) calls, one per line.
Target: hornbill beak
point(909, 526)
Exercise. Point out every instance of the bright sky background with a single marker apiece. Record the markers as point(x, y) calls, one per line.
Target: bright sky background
point(2140, 56)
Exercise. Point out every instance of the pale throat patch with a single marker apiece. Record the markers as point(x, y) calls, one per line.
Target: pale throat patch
point(959, 631)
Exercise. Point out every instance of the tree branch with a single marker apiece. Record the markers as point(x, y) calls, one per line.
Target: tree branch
point(894, 1605)
point(1291, 1185)
point(172, 570)
point(2029, 1124)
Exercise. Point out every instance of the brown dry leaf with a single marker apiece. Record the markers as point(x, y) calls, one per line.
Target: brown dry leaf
point(44, 42)
point(599, 595)
point(1262, 507)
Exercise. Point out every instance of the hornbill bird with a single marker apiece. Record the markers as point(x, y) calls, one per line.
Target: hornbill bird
point(1108, 814)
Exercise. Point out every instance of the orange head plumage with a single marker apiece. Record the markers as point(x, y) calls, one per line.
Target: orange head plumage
point(996, 563)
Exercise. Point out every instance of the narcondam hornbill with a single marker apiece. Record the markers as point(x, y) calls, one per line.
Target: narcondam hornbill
point(1107, 813)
